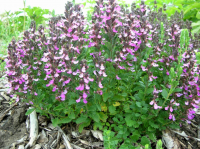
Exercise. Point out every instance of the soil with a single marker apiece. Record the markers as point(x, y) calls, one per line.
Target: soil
point(14, 129)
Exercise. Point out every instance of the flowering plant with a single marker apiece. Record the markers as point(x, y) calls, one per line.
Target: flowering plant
point(134, 73)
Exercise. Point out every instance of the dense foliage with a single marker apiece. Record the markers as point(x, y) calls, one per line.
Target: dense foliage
point(129, 73)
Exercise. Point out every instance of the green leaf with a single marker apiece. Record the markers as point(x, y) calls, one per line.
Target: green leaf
point(164, 93)
point(95, 116)
point(29, 111)
point(19, 93)
point(144, 141)
point(152, 124)
point(112, 110)
point(72, 115)
point(177, 90)
point(135, 136)
point(65, 120)
point(55, 122)
point(103, 116)
point(152, 137)
point(150, 90)
point(129, 122)
point(85, 124)
point(198, 15)
point(97, 125)
point(106, 96)
point(59, 107)
point(139, 104)
point(159, 144)
point(81, 119)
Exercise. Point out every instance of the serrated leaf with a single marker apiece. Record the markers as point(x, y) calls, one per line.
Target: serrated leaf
point(106, 96)
point(59, 107)
point(81, 119)
point(129, 122)
point(112, 109)
point(152, 137)
point(72, 115)
point(150, 90)
point(97, 125)
point(55, 122)
point(103, 116)
point(135, 136)
point(29, 111)
point(85, 124)
point(65, 120)
point(144, 141)
point(139, 104)
point(95, 116)
point(152, 124)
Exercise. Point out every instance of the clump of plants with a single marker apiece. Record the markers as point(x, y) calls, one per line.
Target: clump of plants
point(129, 73)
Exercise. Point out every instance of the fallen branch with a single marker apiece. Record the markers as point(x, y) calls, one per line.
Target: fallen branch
point(33, 130)
point(184, 135)
point(65, 138)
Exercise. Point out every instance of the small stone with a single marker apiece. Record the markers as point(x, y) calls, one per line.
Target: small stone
point(21, 147)
point(37, 146)
point(62, 147)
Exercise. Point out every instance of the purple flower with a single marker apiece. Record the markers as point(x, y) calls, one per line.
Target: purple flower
point(179, 94)
point(35, 94)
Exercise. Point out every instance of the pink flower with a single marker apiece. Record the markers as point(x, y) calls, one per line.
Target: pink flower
point(85, 101)
point(115, 31)
point(80, 87)
point(100, 85)
point(118, 78)
point(69, 30)
point(171, 116)
point(167, 73)
point(75, 37)
point(78, 100)
point(87, 87)
point(56, 47)
point(143, 68)
point(102, 67)
point(54, 89)
point(156, 106)
point(62, 96)
point(50, 82)
point(35, 94)
point(84, 95)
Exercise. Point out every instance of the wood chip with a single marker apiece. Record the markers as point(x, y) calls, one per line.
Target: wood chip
point(97, 134)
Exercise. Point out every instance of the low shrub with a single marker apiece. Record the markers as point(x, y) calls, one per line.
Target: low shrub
point(125, 72)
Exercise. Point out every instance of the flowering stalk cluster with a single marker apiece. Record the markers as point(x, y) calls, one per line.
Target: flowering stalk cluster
point(147, 47)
